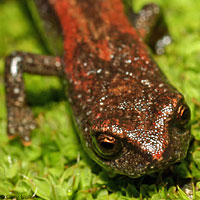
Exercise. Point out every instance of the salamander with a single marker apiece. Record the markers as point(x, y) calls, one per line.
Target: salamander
point(130, 119)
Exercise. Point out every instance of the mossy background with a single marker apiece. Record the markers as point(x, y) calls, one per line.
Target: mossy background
point(55, 166)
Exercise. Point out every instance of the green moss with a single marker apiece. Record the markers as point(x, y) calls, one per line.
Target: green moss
point(55, 166)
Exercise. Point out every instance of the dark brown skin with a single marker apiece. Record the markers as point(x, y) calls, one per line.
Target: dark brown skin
point(129, 118)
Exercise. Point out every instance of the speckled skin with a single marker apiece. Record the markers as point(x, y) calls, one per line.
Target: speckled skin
point(117, 89)
point(129, 118)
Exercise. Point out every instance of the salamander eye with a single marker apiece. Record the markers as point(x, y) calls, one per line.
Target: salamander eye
point(184, 114)
point(106, 145)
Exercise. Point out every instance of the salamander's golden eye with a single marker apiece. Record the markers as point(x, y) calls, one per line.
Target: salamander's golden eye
point(106, 145)
point(184, 114)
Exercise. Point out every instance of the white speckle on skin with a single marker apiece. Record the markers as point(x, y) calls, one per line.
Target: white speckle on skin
point(79, 96)
point(102, 98)
point(136, 58)
point(128, 61)
point(30, 60)
point(145, 82)
point(99, 71)
point(46, 61)
point(58, 64)
point(89, 112)
point(14, 65)
point(16, 90)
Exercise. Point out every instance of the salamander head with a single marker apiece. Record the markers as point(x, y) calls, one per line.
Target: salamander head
point(141, 136)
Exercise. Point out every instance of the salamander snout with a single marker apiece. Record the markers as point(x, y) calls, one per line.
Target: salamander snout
point(145, 142)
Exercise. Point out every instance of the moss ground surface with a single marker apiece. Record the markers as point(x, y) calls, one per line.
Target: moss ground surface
point(55, 166)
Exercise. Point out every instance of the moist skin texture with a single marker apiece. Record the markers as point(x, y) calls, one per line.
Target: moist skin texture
point(129, 118)
point(128, 115)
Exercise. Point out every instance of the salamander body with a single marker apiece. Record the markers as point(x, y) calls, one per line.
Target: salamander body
point(130, 119)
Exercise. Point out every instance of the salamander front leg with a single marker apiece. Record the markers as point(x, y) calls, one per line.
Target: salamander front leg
point(151, 25)
point(20, 121)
